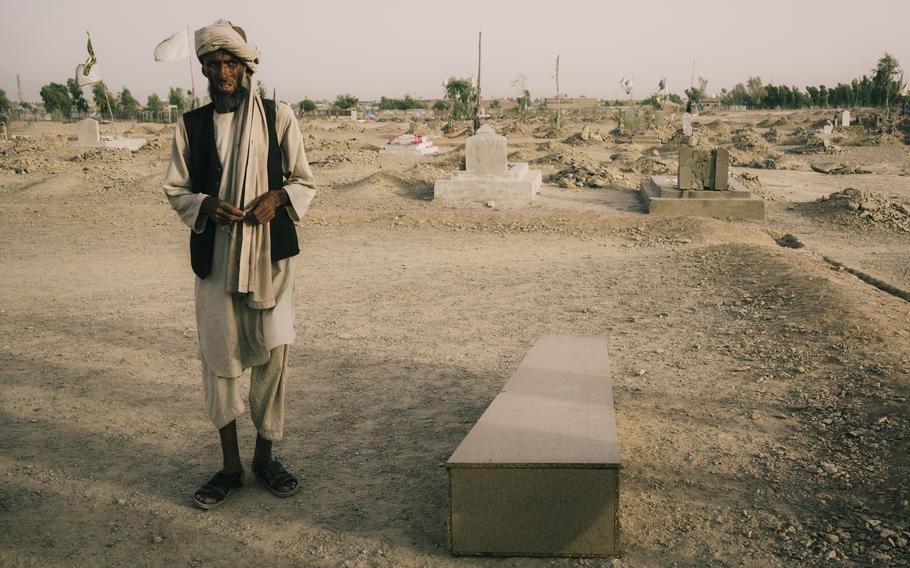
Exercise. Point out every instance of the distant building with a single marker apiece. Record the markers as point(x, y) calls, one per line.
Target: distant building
point(578, 103)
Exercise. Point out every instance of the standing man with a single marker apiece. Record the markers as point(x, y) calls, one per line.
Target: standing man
point(239, 178)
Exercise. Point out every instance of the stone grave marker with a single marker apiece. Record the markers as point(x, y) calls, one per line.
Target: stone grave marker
point(488, 175)
point(88, 134)
point(485, 153)
point(846, 119)
point(687, 124)
point(703, 169)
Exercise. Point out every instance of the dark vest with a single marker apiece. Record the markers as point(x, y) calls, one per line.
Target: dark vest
point(205, 176)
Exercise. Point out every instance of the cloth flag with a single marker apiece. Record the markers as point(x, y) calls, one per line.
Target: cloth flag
point(88, 72)
point(173, 48)
point(84, 77)
point(90, 62)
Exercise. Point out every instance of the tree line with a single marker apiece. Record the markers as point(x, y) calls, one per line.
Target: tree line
point(67, 99)
point(884, 89)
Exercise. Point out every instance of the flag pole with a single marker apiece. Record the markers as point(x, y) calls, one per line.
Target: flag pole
point(107, 99)
point(190, 61)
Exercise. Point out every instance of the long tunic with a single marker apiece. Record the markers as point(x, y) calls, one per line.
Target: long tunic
point(233, 336)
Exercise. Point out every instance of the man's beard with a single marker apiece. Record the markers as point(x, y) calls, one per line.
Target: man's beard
point(229, 101)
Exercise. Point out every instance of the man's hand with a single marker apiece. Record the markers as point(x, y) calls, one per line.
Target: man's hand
point(262, 209)
point(220, 211)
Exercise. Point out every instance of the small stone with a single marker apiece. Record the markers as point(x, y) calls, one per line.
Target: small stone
point(490, 204)
point(887, 533)
point(640, 373)
point(829, 468)
point(156, 539)
point(832, 538)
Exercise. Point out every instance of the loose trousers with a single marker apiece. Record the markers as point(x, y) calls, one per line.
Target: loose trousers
point(223, 403)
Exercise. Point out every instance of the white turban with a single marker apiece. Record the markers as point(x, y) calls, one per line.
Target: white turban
point(222, 35)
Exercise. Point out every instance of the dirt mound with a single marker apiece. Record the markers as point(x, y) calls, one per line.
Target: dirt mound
point(454, 130)
point(582, 173)
point(716, 132)
point(815, 144)
point(654, 165)
point(587, 137)
point(750, 149)
point(349, 126)
point(550, 132)
point(772, 135)
point(858, 208)
point(514, 127)
point(106, 155)
point(839, 169)
point(780, 122)
point(755, 185)
point(31, 155)
point(328, 153)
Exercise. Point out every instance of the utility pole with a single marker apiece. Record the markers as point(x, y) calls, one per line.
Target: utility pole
point(477, 95)
point(19, 87)
point(558, 100)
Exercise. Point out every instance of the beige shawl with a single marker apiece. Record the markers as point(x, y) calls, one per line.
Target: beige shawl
point(249, 269)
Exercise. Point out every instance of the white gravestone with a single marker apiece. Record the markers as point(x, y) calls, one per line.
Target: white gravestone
point(846, 119)
point(687, 124)
point(88, 134)
point(485, 153)
point(488, 175)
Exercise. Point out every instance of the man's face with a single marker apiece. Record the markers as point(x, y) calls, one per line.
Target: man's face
point(224, 72)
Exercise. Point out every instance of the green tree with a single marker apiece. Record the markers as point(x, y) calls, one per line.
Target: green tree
point(103, 99)
point(79, 102)
point(524, 101)
point(345, 101)
point(405, 103)
point(127, 102)
point(495, 103)
point(56, 98)
point(154, 103)
point(5, 103)
point(307, 106)
point(461, 94)
point(441, 105)
point(756, 91)
point(176, 97)
point(885, 88)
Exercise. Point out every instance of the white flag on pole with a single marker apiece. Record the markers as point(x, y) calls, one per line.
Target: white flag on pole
point(83, 78)
point(173, 48)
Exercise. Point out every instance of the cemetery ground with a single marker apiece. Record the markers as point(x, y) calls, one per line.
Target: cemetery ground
point(761, 391)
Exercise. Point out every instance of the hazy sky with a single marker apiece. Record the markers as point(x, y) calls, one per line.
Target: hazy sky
point(393, 47)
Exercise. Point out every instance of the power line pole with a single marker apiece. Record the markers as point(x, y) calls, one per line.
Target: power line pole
point(19, 87)
point(477, 95)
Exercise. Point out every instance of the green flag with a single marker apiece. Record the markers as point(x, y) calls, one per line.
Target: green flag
point(87, 66)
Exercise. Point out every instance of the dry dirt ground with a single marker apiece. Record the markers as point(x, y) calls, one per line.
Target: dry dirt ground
point(761, 392)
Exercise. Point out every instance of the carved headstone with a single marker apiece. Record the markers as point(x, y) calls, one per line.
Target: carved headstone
point(846, 119)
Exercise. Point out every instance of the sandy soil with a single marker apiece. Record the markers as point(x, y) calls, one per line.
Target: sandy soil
point(761, 393)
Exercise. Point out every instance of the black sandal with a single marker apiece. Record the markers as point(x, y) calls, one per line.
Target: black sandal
point(220, 486)
point(274, 476)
